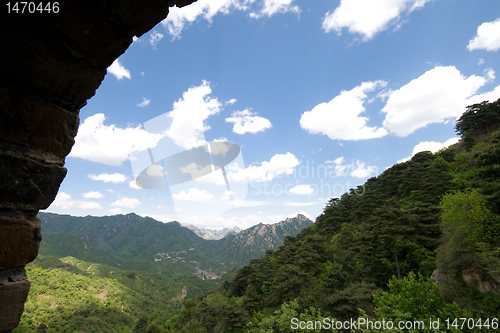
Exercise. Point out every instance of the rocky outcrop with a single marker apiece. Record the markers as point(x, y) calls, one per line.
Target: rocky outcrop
point(51, 64)
point(471, 277)
point(480, 281)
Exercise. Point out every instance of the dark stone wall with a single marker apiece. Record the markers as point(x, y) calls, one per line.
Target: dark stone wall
point(50, 65)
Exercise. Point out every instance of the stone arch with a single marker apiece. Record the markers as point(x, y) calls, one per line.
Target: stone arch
point(50, 65)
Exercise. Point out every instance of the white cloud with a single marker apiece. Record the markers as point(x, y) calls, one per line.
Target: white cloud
point(93, 195)
point(340, 118)
point(491, 96)
point(481, 61)
point(279, 164)
point(302, 189)
point(487, 38)
point(133, 184)
point(62, 200)
point(195, 170)
point(356, 169)
point(154, 38)
point(193, 194)
point(362, 171)
point(439, 94)
point(116, 210)
point(110, 144)
point(431, 146)
point(245, 122)
point(90, 205)
point(118, 70)
point(302, 204)
point(339, 167)
point(178, 18)
point(189, 116)
point(272, 7)
point(126, 202)
point(368, 17)
point(115, 178)
point(145, 102)
point(231, 101)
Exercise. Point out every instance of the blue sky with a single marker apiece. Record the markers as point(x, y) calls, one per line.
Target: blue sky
point(318, 95)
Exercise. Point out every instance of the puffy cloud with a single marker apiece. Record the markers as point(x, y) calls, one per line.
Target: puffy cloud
point(126, 202)
point(246, 122)
point(362, 171)
point(110, 144)
point(487, 38)
point(93, 195)
point(339, 167)
point(491, 96)
point(62, 200)
point(189, 115)
point(193, 194)
point(439, 94)
point(118, 70)
point(431, 146)
point(90, 205)
point(368, 17)
point(340, 118)
point(271, 7)
point(178, 17)
point(133, 184)
point(356, 169)
point(115, 178)
point(302, 189)
point(145, 102)
point(154, 38)
point(116, 210)
point(279, 164)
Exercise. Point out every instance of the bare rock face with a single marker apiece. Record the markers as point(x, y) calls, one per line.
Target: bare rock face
point(50, 65)
point(480, 281)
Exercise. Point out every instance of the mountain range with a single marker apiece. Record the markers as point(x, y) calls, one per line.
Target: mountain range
point(134, 242)
point(212, 234)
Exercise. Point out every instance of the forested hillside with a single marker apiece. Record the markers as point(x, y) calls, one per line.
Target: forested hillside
point(373, 251)
point(129, 239)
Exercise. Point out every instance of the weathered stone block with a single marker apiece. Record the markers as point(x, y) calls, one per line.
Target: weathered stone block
point(19, 241)
point(32, 122)
point(26, 184)
point(12, 298)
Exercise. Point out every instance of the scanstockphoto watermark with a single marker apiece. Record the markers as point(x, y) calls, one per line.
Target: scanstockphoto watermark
point(362, 324)
point(434, 324)
point(322, 179)
point(322, 189)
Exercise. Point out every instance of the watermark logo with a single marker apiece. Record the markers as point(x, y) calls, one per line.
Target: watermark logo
point(198, 175)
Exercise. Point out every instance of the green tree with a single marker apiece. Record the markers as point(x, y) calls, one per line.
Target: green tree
point(470, 227)
point(286, 319)
point(417, 300)
point(478, 117)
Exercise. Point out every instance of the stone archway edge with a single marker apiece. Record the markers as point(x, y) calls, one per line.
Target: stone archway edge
point(50, 65)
